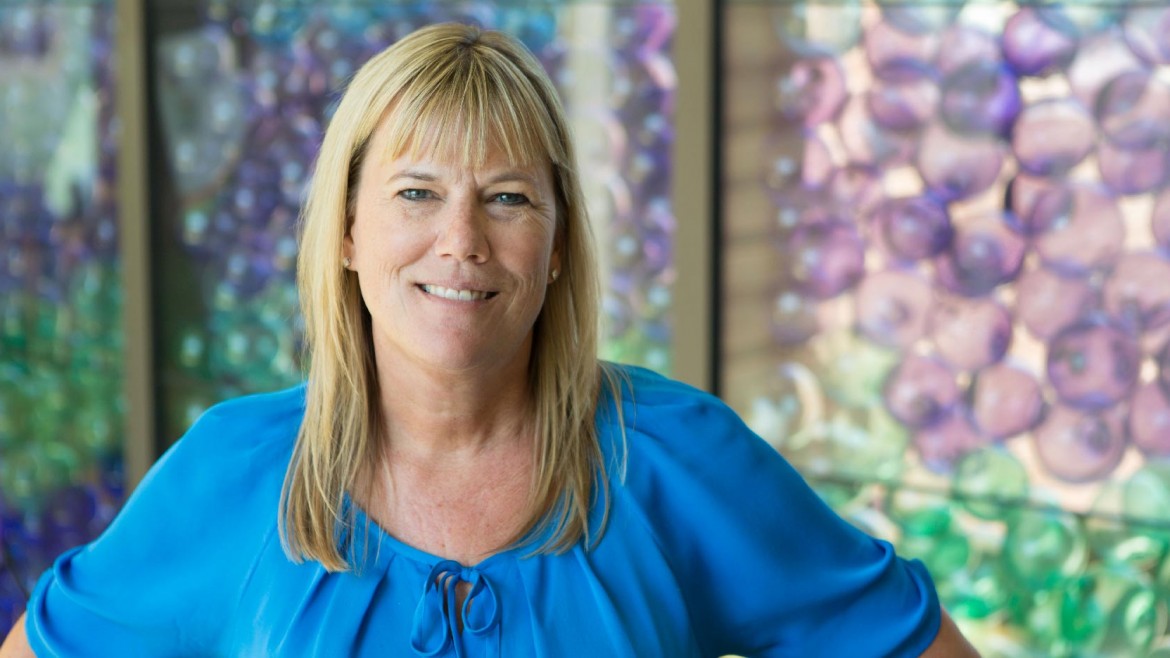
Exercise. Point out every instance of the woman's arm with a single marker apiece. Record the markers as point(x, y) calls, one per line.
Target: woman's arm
point(949, 643)
point(16, 646)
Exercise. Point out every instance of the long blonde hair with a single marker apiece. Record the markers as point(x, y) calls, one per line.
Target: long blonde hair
point(445, 88)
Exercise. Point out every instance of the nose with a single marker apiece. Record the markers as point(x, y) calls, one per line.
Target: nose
point(463, 233)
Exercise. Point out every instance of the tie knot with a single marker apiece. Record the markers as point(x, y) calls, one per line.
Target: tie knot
point(437, 617)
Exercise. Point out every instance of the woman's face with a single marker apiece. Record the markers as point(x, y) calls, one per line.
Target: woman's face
point(452, 261)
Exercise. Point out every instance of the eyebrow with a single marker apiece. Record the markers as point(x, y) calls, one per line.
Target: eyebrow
point(512, 176)
point(508, 176)
point(414, 174)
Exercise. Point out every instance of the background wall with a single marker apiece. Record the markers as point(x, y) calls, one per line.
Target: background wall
point(945, 297)
point(919, 246)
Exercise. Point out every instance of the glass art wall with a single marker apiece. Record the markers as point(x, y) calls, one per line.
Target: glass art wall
point(947, 297)
point(243, 98)
point(61, 406)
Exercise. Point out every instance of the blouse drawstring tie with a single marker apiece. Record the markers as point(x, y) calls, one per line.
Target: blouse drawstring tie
point(435, 622)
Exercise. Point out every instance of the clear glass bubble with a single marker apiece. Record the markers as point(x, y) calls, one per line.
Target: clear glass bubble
point(980, 98)
point(790, 402)
point(892, 307)
point(1037, 203)
point(1036, 47)
point(791, 160)
point(1132, 171)
point(867, 143)
point(920, 512)
point(988, 480)
point(1048, 301)
point(812, 91)
point(1149, 420)
point(852, 369)
point(903, 98)
point(1147, 33)
point(1092, 237)
point(1132, 613)
point(275, 23)
point(887, 47)
point(1160, 220)
point(944, 554)
point(1044, 548)
point(920, 18)
point(825, 258)
point(1052, 136)
point(1147, 495)
point(798, 206)
point(1081, 446)
point(794, 318)
point(913, 228)
point(970, 333)
point(1135, 293)
point(1114, 535)
point(855, 190)
point(811, 30)
point(983, 254)
point(980, 592)
point(1081, 616)
point(860, 452)
point(920, 391)
point(956, 167)
point(1094, 364)
point(1133, 110)
point(941, 445)
point(1099, 59)
point(966, 44)
point(1005, 401)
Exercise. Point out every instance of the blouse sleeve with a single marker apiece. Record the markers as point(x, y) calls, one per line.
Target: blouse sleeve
point(163, 578)
point(766, 568)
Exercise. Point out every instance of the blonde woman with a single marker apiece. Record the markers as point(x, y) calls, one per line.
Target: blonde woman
point(460, 476)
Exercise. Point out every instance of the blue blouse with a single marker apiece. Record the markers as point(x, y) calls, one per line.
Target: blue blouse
point(714, 545)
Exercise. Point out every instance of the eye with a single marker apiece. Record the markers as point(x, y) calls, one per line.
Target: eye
point(415, 194)
point(510, 198)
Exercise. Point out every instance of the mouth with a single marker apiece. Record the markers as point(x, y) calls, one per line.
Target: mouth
point(456, 294)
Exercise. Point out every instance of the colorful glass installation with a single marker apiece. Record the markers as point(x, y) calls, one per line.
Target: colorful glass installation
point(243, 101)
point(61, 356)
point(985, 317)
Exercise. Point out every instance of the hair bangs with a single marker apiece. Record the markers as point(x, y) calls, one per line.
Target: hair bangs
point(470, 112)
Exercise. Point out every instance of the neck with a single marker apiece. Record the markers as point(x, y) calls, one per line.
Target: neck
point(437, 416)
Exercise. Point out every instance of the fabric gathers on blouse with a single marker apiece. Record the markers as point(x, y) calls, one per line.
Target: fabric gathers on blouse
point(714, 545)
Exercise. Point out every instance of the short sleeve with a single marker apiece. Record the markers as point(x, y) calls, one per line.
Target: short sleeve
point(163, 578)
point(767, 569)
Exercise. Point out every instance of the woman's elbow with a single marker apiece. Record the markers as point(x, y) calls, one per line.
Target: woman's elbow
point(16, 644)
point(948, 643)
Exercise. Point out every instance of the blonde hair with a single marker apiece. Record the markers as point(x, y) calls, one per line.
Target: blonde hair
point(443, 89)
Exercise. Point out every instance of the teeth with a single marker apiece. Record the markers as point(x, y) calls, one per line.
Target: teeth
point(451, 293)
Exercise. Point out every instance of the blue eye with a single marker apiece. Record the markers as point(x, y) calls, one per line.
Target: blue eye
point(414, 194)
point(511, 198)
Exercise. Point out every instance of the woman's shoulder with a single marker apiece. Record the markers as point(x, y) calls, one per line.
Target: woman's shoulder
point(654, 404)
point(645, 388)
point(250, 421)
point(248, 414)
point(241, 440)
point(226, 470)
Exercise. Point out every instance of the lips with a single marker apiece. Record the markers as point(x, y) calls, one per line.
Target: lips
point(456, 294)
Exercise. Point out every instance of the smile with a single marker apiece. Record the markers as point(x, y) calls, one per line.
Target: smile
point(456, 295)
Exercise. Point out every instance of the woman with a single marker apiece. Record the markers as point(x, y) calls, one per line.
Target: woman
point(460, 476)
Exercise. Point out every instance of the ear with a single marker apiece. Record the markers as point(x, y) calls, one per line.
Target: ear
point(554, 261)
point(347, 247)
